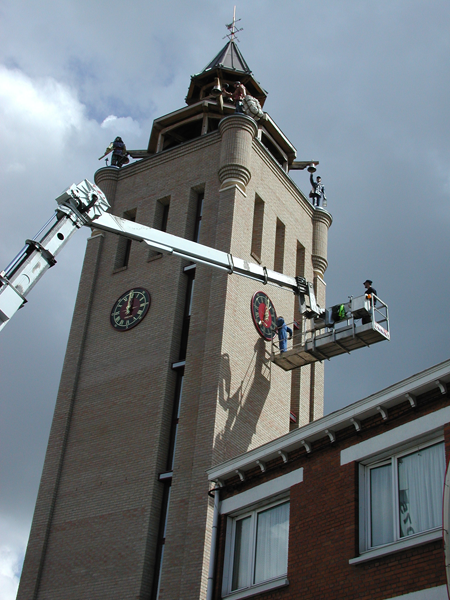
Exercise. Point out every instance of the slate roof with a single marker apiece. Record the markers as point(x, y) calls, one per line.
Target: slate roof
point(229, 57)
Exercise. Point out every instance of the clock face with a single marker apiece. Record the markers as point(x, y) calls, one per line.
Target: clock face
point(264, 315)
point(130, 309)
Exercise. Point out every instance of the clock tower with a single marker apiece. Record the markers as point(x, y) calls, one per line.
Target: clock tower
point(148, 403)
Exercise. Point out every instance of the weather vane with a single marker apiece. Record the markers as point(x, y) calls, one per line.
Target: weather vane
point(232, 28)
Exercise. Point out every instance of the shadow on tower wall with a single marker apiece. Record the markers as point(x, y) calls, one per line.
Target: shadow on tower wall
point(245, 405)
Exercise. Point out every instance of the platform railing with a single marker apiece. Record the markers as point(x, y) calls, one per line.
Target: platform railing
point(307, 330)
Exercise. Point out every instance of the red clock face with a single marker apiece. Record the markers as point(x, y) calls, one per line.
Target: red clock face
point(264, 315)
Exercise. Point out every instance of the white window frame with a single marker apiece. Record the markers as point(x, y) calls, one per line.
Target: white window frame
point(367, 551)
point(250, 589)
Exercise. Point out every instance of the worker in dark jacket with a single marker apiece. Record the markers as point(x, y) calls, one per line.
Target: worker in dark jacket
point(370, 291)
point(119, 153)
point(283, 331)
point(119, 156)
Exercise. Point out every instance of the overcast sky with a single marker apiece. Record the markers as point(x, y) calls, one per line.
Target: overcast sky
point(362, 86)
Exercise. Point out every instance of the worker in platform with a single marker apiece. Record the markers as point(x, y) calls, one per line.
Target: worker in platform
point(283, 330)
point(370, 291)
point(119, 153)
point(318, 191)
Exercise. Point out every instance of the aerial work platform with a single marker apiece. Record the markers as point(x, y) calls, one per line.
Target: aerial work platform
point(327, 338)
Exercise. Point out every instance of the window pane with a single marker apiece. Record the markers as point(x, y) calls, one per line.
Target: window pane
point(241, 554)
point(381, 513)
point(272, 537)
point(421, 481)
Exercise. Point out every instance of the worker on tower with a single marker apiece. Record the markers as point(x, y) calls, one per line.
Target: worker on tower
point(244, 102)
point(318, 191)
point(120, 154)
point(237, 95)
point(283, 330)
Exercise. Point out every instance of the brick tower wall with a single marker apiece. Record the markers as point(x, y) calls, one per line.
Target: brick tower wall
point(95, 530)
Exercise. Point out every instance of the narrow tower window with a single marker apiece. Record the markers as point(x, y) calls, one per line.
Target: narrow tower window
point(175, 419)
point(161, 539)
point(258, 218)
point(174, 429)
point(198, 216)
point(296, 394)
point(278, 262)
point(124, 244)
point(187, 314)
point(195, 214)
point(160, 222)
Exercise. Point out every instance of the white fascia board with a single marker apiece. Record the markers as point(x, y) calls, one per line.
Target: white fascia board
point(417, 384)
point(261, 492)
point(435, 593)
point(399, 435)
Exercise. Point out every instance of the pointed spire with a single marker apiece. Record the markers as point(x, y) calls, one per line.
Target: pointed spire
point(229, 57)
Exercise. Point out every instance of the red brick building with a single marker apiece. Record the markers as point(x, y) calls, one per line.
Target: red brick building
point(348, 506)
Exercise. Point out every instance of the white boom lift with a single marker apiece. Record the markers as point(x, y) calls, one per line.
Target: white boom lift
point(85, 204)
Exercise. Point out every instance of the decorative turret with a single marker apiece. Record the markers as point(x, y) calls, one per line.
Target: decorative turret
point(238, 133)
point(226, 68)
point(321, 223)
point(207, 103)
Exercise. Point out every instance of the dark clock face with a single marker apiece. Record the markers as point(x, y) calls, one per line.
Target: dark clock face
point(264, 315)
point(130, 309)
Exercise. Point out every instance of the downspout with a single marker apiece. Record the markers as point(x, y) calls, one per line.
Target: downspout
point(212, 555)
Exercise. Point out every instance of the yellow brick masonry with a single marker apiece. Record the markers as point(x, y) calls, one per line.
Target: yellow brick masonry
point(95, 529)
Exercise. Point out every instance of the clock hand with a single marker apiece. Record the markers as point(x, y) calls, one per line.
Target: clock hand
point(128, 311)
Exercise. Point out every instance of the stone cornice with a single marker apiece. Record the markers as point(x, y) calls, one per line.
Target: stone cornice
point(165, 156)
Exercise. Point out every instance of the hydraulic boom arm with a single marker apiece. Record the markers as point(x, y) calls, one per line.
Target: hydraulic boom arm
point(85, 204)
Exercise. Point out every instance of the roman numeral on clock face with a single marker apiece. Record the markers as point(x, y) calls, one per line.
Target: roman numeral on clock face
point(130, 309)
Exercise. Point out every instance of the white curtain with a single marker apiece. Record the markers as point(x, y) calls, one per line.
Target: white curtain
point(421, 484)
point(272, 537)
point(381, 507)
